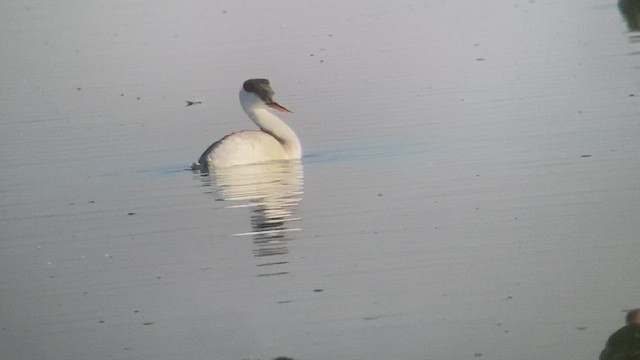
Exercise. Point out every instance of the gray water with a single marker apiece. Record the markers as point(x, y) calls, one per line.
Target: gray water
point(469, 187)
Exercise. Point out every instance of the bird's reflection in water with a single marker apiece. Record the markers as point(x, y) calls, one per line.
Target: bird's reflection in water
point(272, 191)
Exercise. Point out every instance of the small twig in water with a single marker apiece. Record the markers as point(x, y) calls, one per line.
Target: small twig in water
point(189, 103)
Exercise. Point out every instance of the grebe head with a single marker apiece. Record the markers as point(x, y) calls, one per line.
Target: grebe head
point(258, 93)
point(633, 317)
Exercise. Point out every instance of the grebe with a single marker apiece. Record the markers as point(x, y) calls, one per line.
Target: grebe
point(274, 141)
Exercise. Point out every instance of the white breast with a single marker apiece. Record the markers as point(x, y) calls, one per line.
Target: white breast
point(246, 147)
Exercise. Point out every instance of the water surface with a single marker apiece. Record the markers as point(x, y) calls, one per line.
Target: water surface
point(469, 186)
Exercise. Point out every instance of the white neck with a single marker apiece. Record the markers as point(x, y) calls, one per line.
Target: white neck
point(268, 122)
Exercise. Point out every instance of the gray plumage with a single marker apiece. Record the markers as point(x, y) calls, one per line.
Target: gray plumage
point(260, 87)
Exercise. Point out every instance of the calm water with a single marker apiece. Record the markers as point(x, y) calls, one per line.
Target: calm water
point(469, 187)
